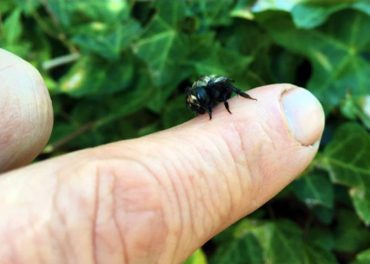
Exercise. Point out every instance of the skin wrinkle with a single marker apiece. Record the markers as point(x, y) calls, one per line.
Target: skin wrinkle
point(216, 215)
point(204, 175)
point(226, 178)
point(188, 183)
point(198, 198)
point(239, 161)
point(158, 182)
point(238, 128)
point(179, 206)
point(60, 219)
point(259, 170)
point(95, 216)
point(175, 173)
point(223, 171)
point(119, 229)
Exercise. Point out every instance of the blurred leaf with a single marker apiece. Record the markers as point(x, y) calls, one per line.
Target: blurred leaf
point(28, 6)
point(363, 257)
point(67, 13)
point(324, 213)
point(337, 56)
point(11, 33)
point(96, 76)
point(310, 14)
point(12, 29)
point(347, 160)
point(176, 112)
point(357, 108)
point(314, 188)
point(278, 241)
point(106, 40)
point(350, 234)
point(211, 13)
point(198, 257)
point(283, 5)
point(6, 6)
point(158, 49)
point(162, 49)
point(322, 237)
point(238, 251)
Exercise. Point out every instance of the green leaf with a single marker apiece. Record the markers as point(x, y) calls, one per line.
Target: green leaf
point(306, 13)
point(176, 112)
point(198, 257)
point(314, 188)
point(106, 40)
point(278, 242)
point(95, 76)
point(322, 237)
point(350, 234)
point(211, 13)
point(6, 6)
point(310, 14)
point(363, 257)
point(160, 48)
point(28, 6)
point(246, 249)
point(282, 5)
point(336, 51)
point(283, 242)
point(67, 13)
point(357, 108)
point(12, 28)
point(347, 160)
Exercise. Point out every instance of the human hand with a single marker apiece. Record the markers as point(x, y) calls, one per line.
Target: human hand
point(153, 199)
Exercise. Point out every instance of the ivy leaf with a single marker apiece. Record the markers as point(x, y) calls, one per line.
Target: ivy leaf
point(271, 242)
point(357, 108)
point(246, 249)
point(68, 13)
point(160, 48)
point(198, 257)
point(176, 112)
point(106, 40)
point(363, 257)
point(314, 13)
point(346, 158)
point(336, 51)
point(350, 234)
point(281, 5)
point(87, 78)
point(314, 189)
point(12, 28)
point(306, 14)
point(210, 13)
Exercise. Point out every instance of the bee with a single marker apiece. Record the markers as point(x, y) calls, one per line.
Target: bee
point(209, 91)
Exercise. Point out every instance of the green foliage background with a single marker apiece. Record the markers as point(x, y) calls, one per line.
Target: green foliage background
point(118, 69)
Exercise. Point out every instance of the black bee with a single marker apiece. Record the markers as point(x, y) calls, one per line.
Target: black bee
point(208, 91)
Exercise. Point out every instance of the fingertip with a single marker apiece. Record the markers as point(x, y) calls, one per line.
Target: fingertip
point(26, 108)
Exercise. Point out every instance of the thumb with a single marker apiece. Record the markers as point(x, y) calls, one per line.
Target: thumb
point(157, 198)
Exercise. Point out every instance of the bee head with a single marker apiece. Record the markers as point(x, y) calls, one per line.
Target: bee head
point(197, 99)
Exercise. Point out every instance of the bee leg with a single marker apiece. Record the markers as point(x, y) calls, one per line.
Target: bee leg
point(209, 111)
point(227, 106)
point(243, 94)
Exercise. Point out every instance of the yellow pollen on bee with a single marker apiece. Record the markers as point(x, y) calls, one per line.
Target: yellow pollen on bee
point(192, 99)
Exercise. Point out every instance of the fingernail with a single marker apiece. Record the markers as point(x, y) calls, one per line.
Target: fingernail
point(304, 114)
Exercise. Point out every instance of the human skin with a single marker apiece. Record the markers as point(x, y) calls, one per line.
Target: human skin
point(154, 199)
